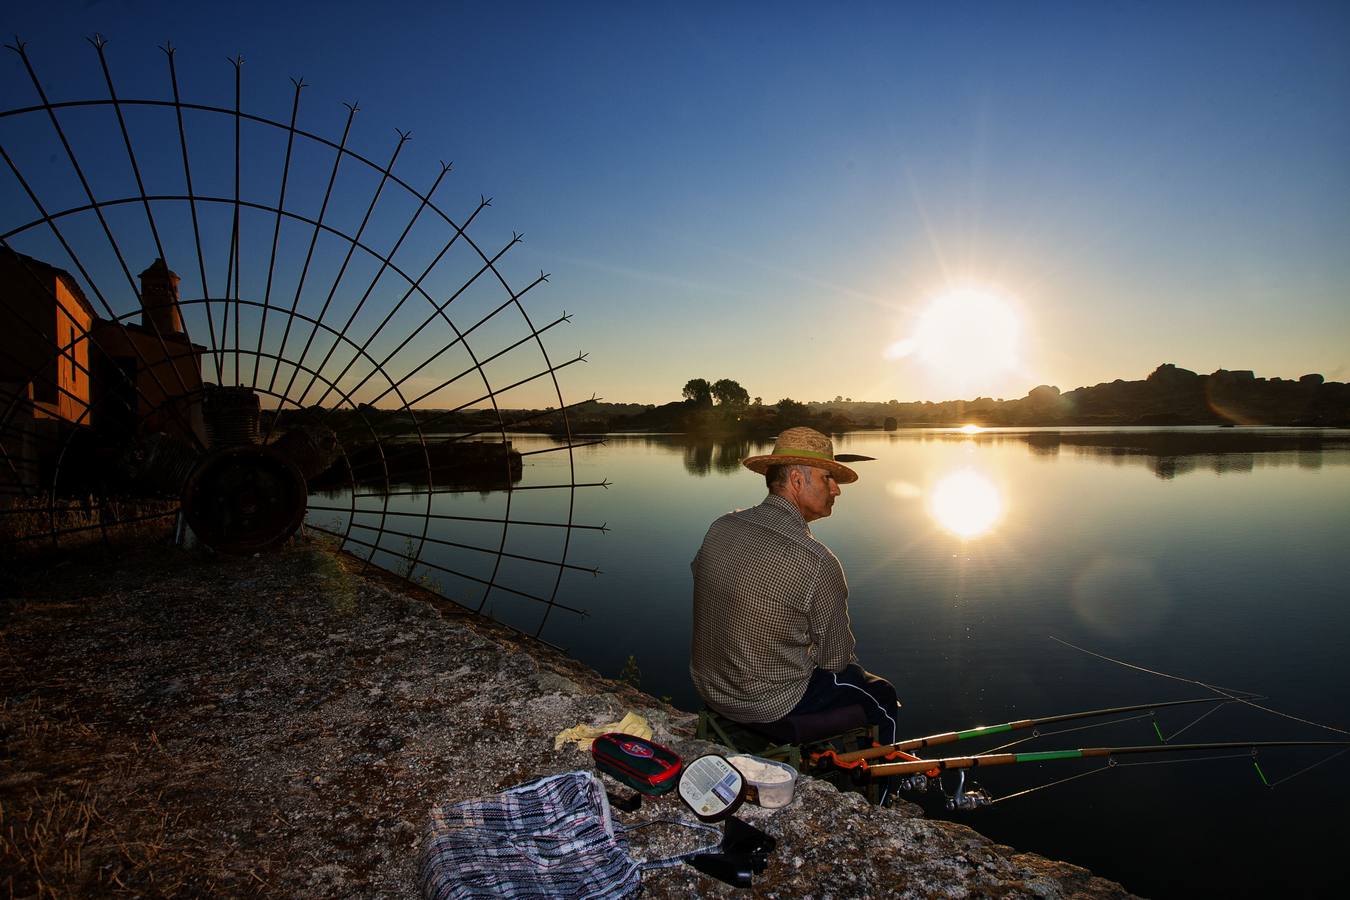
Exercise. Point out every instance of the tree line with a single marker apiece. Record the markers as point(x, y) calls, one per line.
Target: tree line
point(725, 391)
point(725, 406)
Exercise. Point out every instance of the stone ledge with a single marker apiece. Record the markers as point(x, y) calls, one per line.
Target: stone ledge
point(282, 725)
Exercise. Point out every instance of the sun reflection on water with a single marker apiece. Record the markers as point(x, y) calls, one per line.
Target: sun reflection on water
point(966, 503)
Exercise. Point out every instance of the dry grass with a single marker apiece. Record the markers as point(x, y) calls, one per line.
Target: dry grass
point(63, 831)
point(40, 527)
point(175, 723)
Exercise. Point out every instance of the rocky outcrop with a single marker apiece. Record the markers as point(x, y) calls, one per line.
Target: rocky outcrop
point(181, 723)
point(1175, 396)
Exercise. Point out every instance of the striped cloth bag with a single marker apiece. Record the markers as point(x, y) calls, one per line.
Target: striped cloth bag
point(548, 838)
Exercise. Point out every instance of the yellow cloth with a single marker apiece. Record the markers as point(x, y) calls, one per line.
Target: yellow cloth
point(582, 735)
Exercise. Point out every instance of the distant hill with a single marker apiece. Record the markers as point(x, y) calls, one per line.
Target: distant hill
point(1168, 396)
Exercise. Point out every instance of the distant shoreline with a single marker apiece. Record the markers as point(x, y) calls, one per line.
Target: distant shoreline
point(1170, 397)
point(976, 430)
point(1149, 441)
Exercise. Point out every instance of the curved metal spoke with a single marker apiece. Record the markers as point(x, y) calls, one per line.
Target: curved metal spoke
point(92, 393)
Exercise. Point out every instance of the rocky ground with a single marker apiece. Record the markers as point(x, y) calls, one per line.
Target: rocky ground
point(180, 723)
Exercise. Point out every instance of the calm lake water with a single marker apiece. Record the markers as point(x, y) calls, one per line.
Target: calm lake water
point(1219, 555)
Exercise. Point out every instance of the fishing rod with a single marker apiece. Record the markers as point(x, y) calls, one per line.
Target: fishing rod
point(1212, 687)
point(910, 767)
point(924, 775)
point(920, 775)
point(949, 737)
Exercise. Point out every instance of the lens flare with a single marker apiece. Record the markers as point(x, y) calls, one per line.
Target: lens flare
point(904, 490)
point(1121, 597)
point(966, 503)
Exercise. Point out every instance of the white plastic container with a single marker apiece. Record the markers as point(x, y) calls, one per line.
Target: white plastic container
point(771, 783)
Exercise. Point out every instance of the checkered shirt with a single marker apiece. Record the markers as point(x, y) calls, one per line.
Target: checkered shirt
point(770, 605)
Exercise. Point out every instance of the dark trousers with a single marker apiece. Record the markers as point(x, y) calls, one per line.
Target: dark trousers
point(851, 686)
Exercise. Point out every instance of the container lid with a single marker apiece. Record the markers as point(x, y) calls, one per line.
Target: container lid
point(712, 787)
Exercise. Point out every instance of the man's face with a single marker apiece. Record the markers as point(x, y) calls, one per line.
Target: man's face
point(815, 498)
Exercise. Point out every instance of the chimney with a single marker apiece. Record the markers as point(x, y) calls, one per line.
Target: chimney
point(159, 299)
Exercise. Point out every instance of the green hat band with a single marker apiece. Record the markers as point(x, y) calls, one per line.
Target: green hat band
point(813, 454)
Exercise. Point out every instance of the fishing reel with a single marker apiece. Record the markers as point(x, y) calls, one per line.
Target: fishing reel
point(917, 783)
point(964, 800)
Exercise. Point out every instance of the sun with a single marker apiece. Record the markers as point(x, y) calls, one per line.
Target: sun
point(966, 334)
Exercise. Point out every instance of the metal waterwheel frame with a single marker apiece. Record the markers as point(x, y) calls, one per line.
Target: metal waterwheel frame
point(220, 350)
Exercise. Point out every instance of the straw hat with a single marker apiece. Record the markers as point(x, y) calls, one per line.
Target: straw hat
point(802, 447)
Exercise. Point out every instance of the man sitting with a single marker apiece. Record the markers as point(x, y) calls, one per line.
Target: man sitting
point(771, 627)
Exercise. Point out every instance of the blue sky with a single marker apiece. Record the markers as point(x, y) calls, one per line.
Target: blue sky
point(778, 193)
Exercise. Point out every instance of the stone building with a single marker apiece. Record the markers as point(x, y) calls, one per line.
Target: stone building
point(68, 375)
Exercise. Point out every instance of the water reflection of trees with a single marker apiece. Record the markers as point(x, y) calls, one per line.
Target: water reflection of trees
point(703, 457)
point(1171, 453)
point(1167, 454)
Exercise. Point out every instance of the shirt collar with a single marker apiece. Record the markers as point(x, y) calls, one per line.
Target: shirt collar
point(774, 501)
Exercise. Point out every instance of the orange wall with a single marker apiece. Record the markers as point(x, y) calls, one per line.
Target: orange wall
point(72, 364)
point(44, 341)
